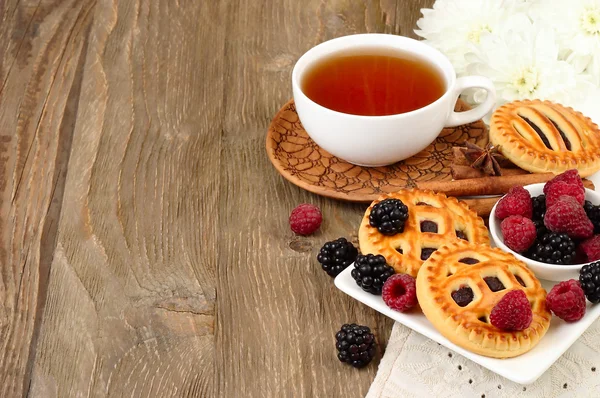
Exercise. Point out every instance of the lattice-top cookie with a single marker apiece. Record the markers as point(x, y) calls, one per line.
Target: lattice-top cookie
point(489, 273)
point(433, 220)
point(541, 136)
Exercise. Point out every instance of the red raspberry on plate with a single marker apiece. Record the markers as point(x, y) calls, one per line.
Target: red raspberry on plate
point(519, 233)
point(517, 202)
point(305, 219)
point(568, 216)
point(567, 300)
point(513, 312)
point(561, 188)
point(400, 292)
point(569, 176)
point(591, 248)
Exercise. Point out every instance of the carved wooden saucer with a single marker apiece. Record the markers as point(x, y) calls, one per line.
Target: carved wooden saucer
point(301, 161)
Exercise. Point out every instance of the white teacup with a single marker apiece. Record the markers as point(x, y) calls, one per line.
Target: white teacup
point(383, 140)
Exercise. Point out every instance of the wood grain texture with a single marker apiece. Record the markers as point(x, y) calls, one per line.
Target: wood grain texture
point(130, 306)
point(144, 244)
point(39, 72)
point(277, 310)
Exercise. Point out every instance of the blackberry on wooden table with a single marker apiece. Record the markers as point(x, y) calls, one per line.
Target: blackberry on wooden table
point(355, 345)
point(336, 255)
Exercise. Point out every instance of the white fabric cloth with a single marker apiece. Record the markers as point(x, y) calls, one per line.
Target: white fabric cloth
point(415, 366)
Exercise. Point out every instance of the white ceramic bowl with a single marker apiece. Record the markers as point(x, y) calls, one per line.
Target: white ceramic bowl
point(551, 272)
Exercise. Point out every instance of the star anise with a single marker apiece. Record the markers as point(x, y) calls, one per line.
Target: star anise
point(486, 159)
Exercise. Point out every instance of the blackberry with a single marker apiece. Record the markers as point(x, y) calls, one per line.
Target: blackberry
point(589, 278)
point(370, 272)
point(540, 228)
point(336, 255)
point(355, 345)
point(388, 216)
point(539, 207)
point(593, 213)
point(553, 248)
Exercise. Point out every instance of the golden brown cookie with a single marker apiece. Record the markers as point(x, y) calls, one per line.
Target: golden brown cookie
point(542, 136)
point(406, 251)
point(461, 264)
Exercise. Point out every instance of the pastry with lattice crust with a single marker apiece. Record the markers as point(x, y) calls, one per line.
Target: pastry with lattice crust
point(433, 220)
point(460, 284)
point(542, 136)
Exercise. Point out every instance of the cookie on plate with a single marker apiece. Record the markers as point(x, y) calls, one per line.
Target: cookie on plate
point(460, 284)
point(433, 220)
point(542, 136)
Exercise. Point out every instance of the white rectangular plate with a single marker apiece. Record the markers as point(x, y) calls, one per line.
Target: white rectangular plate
point(524, 369)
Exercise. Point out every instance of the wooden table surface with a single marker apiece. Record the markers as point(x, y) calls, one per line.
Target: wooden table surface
point(144, 242)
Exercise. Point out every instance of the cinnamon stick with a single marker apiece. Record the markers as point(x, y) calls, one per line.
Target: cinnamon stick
point(461, 172)
point(482, 206)
point(487, 185)
point(459, 157)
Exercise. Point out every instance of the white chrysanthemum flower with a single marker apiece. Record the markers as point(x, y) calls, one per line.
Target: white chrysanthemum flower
point(522, 59)
point(452, 26)
point(589, 105)
point(525, 6)
point(577, 24)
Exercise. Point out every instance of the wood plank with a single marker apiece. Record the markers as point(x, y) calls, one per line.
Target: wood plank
point(130, 308)
point(42, 43)
point(277, 311)
point(110, 178)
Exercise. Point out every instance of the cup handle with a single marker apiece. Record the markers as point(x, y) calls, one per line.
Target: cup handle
point(463, 83)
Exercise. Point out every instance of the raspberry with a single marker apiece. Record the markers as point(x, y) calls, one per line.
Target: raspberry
point(591, 248)
point(305, 219)
point(513, 312)
point(517, 202)
point(519, 233)
point(568, 216)
point(567, 300)
point(561, 188)
point(569, 176)
point(400, 292)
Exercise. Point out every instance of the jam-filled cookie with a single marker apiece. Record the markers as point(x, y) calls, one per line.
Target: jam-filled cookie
point(461, 283)
point(542, 136)
point(407, 226)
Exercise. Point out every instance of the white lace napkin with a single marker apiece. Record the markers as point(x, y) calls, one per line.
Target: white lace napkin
point(415, 366)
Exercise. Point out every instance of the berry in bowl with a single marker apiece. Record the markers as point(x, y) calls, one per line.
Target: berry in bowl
point(553, 227)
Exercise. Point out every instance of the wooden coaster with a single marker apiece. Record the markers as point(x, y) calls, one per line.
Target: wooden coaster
point(301, 161)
